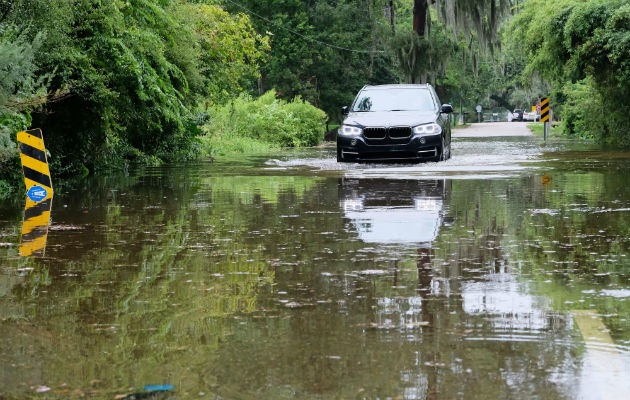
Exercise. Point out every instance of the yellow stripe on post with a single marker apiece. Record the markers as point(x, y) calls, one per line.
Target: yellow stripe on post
point(39, 192)
point(35, 165)
point(544, 109)
point(31, 140)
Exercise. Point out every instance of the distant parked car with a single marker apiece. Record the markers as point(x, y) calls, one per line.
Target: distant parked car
point(517, 115)
point(530, 116)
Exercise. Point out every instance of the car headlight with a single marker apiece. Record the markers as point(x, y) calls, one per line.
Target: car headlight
point(348, 130)
point(428, 129)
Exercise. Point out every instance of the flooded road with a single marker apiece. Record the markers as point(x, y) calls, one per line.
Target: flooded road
point(501, 273)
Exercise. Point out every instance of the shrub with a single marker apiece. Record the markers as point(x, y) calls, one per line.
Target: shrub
point(247, 124)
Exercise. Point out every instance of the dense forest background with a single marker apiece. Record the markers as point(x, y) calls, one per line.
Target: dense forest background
point(114, 82)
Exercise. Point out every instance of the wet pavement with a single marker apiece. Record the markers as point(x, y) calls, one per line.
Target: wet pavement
point(501, 273)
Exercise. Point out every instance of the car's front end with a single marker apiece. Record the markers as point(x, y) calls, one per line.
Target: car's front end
point(395, 122)
point(383, 143)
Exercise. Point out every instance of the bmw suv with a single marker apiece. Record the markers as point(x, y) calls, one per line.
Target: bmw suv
point(395, 122)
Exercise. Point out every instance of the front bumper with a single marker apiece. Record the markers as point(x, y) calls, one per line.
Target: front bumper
point(361, 149)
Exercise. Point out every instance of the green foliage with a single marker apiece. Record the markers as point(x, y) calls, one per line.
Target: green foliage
point(582, 48)
point(245, 124)
point(10, 171)
point(20, 88)
point(113, 83)
point(422, 59)
point(18, 81)
point(229, 49)
point(328, 77)
point(587, 115)
point(538, 128)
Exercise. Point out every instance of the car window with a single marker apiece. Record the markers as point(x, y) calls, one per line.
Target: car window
point(408, 99)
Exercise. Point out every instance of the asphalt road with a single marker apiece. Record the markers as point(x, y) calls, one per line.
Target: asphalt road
point(486, 129)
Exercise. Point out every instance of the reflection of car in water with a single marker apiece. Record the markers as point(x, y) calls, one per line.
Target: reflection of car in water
point(394, 211)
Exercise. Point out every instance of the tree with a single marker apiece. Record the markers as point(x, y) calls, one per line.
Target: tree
point(322, 51)
point(581, 47)
point(131, 75)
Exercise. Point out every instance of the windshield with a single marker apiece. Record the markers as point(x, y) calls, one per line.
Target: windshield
point(407, 99)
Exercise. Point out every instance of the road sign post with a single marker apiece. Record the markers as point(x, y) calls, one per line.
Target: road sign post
point(39, 192)
point(544, 114)
point(478, 108)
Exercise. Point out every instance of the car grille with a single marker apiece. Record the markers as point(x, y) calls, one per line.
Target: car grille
point(399, 132)
point(381, 133)
point(375, 133)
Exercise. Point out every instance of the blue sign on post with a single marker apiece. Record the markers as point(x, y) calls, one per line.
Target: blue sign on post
point(37, 193)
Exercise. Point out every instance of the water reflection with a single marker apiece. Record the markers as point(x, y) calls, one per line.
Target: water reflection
point(35, 227)
point(241, 282)
point(385, 211)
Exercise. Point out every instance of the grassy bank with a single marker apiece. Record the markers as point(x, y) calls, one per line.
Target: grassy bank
point(538, 129)
point(462, 126)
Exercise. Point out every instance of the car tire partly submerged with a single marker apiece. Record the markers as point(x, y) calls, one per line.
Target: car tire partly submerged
point(340, 155)
point(445, 152)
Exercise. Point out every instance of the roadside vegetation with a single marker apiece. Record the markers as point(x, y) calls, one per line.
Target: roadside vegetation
point(118, 83)
point(538, 128)
point(580, 49)
point(246, 124)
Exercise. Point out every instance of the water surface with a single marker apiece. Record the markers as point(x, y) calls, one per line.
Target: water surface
point(501, 273)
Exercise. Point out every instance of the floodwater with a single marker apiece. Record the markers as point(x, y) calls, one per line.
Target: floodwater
point(503, 273)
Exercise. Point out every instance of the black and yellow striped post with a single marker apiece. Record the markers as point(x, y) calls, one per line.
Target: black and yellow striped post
point(39, 192)
point(544, 114)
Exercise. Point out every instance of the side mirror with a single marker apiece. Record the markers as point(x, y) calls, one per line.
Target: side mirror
point(446, 108)
point(344, 110)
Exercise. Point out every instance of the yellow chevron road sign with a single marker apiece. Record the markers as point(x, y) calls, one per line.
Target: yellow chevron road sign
point(39, 192)
point(35, 165)
point(544, 109)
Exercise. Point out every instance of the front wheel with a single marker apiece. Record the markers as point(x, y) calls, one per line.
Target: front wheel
point(339, 155)
point(445, 152)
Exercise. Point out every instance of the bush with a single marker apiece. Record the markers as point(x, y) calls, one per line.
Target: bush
point(246, 124)
point(10, 166)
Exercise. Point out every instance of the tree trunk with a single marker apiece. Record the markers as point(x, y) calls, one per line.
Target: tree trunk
point(392, 18)
point(261, 89)
point(420, 10)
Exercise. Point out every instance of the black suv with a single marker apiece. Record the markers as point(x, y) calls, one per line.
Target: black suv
point(395, 122)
